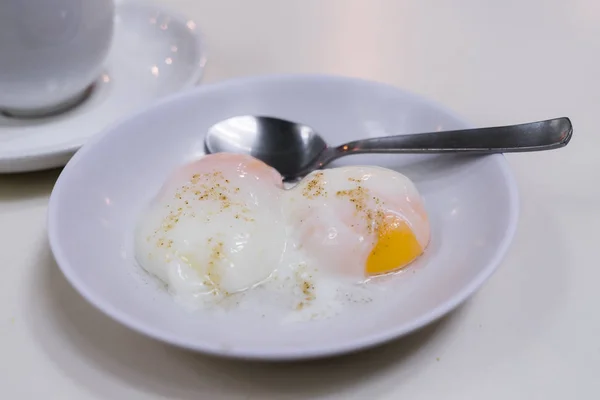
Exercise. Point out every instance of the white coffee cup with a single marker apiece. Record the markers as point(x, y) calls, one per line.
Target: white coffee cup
point(51, 51)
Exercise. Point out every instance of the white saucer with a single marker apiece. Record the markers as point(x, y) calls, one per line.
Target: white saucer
point(154, 54)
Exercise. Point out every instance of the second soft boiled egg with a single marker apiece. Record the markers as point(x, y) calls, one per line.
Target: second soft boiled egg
point(358, 221)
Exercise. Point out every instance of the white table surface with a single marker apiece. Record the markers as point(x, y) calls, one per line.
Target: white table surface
point(532, 332)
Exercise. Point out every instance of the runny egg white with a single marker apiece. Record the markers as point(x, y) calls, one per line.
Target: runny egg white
point(216, 227)
point(224, 226)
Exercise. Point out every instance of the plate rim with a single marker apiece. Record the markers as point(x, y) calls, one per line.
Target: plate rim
point(362, 343)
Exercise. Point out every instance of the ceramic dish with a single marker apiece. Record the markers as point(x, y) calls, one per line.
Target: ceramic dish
point(471, 201)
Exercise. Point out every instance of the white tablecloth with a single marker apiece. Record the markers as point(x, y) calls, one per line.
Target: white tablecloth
point(532, 332)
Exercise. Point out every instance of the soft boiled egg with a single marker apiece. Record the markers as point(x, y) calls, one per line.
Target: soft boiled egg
point(358, 221)
point(215, 227)
point(225, 225)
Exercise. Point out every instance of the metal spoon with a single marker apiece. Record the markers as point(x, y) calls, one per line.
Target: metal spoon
point(295, 149)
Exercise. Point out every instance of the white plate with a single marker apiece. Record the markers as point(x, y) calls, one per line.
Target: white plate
point(154, 53)
point(472, 203)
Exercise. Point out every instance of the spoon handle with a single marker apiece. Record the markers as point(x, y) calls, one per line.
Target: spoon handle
point(535, 136)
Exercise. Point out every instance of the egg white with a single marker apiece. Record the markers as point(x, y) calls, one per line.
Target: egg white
point(228, 241)
point(263, 262)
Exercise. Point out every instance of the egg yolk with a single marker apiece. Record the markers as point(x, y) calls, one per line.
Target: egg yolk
point(396, 247)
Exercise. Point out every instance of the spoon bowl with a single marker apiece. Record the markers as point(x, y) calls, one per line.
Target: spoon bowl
point(287, 146)
point(295, 149)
